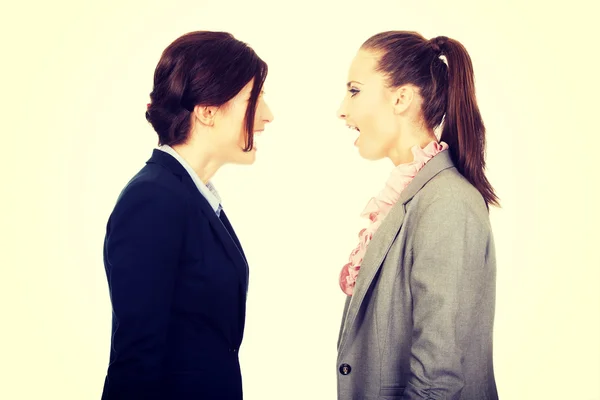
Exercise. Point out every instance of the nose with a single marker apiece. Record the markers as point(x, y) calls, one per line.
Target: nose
point(341, 112)
point(267, 115)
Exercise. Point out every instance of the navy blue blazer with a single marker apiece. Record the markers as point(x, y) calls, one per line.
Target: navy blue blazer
point(178, 281)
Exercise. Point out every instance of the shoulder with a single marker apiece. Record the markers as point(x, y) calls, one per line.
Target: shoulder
point(449, 196)
point(155, 186)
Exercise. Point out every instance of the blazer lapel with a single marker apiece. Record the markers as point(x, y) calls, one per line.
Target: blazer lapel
point(232, 246)
point(231, 231)
point(384, 237)
point(376, 251)
point(233, 237)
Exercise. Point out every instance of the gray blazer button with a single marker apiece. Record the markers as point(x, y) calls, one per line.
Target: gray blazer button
point(345, 369)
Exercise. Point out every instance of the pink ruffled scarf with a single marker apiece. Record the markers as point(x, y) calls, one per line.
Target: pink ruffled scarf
point(378, 207)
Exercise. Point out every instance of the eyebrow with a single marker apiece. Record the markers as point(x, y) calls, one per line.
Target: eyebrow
point(249, 93)
point(351, 82)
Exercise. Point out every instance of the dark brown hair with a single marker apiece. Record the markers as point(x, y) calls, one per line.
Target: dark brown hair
point(448, 91)
point(202, 68)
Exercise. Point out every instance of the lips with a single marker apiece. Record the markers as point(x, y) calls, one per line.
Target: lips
point(255, 139)
point(354, 128)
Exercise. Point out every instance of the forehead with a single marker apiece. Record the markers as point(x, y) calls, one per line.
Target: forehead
point(248, 88)
point(244, 94)
point(363, 66)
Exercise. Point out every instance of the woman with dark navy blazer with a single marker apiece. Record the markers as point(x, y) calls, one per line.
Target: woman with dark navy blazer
point(176, 271)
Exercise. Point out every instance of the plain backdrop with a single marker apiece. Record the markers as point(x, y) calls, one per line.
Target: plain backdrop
point(75, 79)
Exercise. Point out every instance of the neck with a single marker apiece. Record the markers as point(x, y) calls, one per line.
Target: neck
point(199, 158)
point(401, 153)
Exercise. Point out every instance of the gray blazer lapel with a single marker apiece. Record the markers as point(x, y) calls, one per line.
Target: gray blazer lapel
point(376, 251)
point(343, 324)
point(384, 237)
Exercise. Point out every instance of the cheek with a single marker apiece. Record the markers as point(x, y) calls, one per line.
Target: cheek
point(369, 119)
point(381, 119)
point(384, 126)
point(360, 113)
point(241, 137)
point(377, 133)
point(237, 129)
point(230, 136)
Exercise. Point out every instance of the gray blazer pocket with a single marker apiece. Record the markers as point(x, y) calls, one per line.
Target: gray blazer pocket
point(391, 392)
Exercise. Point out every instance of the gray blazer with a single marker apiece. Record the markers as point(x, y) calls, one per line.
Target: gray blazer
point(420, 322)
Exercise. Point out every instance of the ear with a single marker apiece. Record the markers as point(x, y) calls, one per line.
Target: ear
point(402, 98)
point(205, 114)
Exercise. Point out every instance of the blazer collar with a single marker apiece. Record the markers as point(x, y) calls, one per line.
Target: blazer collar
point(436, 165)
point(168, 161)
point(386, 234)
point(221, 226)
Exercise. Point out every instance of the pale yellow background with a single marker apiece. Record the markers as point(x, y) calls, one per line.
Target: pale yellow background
point(75, 83)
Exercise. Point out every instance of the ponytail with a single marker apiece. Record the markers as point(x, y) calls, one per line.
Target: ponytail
point(463, 127)
point(448, 92)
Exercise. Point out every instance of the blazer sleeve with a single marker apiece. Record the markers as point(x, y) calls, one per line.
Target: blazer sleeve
point(142, 247)
point(447, 241)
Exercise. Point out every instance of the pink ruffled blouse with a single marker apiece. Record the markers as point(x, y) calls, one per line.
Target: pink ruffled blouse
point(378, 207)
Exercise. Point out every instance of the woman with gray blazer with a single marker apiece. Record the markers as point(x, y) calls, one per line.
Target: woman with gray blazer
point(420, 284)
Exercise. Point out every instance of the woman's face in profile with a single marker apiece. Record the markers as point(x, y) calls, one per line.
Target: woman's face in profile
point(368, 109)
point(231, 127)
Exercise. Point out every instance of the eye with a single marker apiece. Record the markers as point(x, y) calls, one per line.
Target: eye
point(354, 91)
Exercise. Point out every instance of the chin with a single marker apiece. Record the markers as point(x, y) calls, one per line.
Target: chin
point(246, 158)
point(369, 155)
